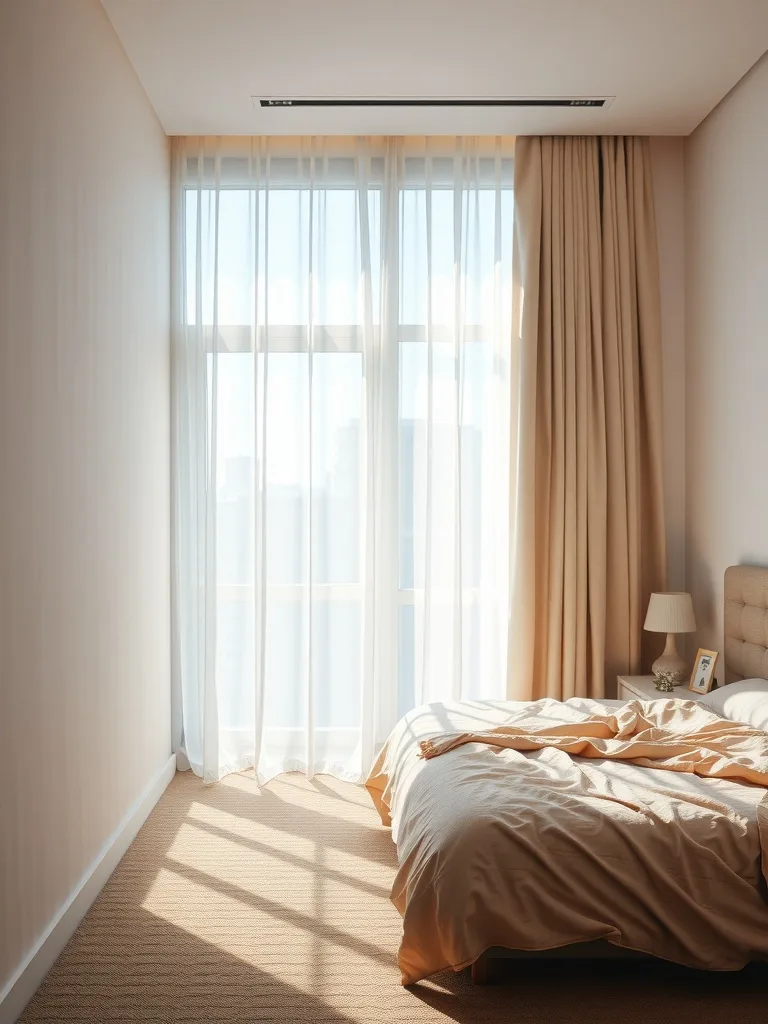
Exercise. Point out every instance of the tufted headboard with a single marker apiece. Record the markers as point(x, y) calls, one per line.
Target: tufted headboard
point(746, 623)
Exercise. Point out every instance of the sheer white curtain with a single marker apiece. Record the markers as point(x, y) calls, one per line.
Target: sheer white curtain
point(341, 442)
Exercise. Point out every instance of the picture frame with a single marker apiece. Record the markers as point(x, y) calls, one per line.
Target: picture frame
point(703, 674)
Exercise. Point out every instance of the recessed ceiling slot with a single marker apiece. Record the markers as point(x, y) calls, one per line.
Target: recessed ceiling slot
point(601, 101)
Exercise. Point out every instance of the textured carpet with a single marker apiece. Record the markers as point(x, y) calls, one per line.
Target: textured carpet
point(240, 904)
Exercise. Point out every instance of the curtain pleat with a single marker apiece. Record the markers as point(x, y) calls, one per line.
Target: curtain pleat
point(587, 532)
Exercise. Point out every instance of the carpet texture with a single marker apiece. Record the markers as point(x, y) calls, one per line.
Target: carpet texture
point(240, 904)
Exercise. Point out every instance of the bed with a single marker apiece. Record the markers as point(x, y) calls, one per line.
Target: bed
point(529, 847)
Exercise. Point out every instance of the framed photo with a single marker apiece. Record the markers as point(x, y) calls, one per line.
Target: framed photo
point(703, 675)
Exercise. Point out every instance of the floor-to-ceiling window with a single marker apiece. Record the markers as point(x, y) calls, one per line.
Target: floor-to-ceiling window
point(342, 421)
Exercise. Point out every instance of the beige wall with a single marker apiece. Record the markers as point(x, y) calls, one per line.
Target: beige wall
point(668, 185)
point(84, 453)
point(726, 170)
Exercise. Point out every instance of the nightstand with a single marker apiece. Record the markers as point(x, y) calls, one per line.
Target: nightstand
point(642, 688)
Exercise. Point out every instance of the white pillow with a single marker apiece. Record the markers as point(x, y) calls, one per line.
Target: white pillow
point(746, 701)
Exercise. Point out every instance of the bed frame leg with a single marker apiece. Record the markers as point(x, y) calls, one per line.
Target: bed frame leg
point(479, 970)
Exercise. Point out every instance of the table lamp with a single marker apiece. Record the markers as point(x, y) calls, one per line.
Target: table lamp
point(670, 614)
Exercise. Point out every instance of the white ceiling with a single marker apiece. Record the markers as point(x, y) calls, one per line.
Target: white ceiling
point(667, 62)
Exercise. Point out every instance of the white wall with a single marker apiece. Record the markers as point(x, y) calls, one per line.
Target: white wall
point(668, 184)
point(726, 175)
point(84, 453)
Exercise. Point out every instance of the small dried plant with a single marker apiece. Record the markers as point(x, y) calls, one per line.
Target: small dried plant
point(665, 681)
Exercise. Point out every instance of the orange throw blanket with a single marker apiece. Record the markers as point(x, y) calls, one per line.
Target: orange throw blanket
point(672, 735)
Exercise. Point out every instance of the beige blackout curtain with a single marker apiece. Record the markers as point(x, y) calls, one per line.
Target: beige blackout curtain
point(588, 531)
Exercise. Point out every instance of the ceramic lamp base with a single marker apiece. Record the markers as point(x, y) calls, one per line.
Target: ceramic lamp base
point(670, 661)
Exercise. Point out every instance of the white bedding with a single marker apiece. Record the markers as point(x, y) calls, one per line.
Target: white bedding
point(472, 825)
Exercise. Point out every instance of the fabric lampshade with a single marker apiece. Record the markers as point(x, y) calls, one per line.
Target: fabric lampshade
point(670, 613)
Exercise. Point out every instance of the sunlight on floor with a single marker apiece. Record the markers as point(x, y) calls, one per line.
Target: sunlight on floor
point(282, 880)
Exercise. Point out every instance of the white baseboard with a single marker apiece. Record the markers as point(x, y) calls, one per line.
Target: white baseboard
point(26, 980)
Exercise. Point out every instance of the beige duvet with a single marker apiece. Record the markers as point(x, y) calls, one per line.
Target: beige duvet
point(567, 840)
